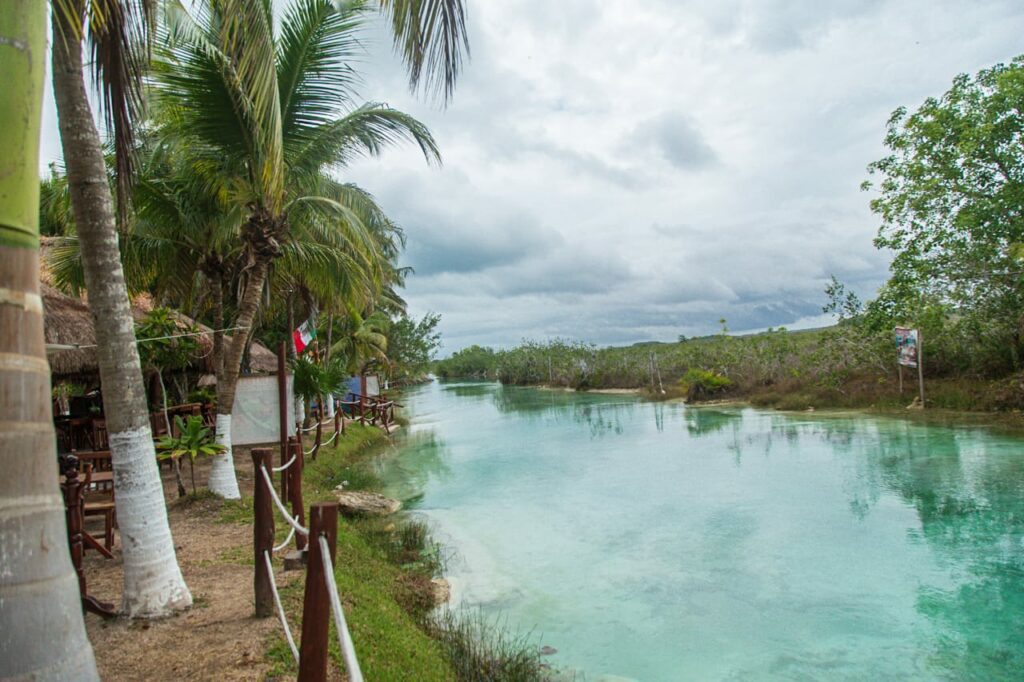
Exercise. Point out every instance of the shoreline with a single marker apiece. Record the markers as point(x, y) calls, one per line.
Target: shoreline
point(1011, 421)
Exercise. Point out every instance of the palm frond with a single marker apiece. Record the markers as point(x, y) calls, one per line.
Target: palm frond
point(314, 48)
point(431, 37)
point(365, 130)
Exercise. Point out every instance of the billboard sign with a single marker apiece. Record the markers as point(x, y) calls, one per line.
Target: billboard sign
point(906, 346)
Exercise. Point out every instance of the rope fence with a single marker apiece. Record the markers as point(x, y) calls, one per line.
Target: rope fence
point(289, 519)
point(281, 616)
point(283, 467)
point(348, 649)
point(321, 600)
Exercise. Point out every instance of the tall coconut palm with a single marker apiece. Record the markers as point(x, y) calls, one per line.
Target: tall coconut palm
point(273, 113)
point(153, 584)
point(39, 600)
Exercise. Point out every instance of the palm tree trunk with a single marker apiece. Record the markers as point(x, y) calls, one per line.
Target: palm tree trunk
point(40, 609)
point(327, 359)
point(222, 470)
point(153, 584)
point(217, 290)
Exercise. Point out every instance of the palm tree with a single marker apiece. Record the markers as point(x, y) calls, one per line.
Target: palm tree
point(39, 600)
point(262, 111)
point(153, 584)
point(364, 340)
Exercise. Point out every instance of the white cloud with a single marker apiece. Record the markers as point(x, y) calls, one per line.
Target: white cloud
point(624, 171)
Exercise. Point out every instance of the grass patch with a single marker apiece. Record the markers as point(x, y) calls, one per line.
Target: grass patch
point(236, 511)
point(485, 650)
point(237, 555)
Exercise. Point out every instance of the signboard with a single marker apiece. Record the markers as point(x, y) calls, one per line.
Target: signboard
point(255, 419)
point(356, 386)
point(906, 347)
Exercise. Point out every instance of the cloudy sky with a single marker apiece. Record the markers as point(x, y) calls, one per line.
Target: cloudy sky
point(626, 171)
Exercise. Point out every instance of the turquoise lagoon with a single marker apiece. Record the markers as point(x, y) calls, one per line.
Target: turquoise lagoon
point(653, 541)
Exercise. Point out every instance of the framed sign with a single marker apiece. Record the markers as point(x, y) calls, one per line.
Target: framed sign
point(906, 347)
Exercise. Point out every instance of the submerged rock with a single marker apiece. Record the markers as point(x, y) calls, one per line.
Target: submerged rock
point(353, 503)
point(548, 650)
point(442, 591)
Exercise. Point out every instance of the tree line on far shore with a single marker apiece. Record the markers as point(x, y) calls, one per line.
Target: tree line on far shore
point(950, 198)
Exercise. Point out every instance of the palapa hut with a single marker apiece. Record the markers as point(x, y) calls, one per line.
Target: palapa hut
point(71, 338)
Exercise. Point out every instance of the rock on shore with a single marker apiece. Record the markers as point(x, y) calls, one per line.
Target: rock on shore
point(356, 503)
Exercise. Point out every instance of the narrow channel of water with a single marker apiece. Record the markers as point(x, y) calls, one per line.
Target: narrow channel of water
point(658, 542)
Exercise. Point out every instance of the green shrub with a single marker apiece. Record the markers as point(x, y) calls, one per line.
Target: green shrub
point(700, 384)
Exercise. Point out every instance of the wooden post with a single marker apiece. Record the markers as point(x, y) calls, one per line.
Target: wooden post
point(262, 532)
point(920, 365)
point(316, 608)
point(295, 490)
point(282, 409)
point(900, 367)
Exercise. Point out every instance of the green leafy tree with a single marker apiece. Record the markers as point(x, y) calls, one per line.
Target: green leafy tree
point(951, 201)
point(164, 346)
point(412, 344)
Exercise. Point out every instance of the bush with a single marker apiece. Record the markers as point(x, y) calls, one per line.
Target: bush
point(700, 384)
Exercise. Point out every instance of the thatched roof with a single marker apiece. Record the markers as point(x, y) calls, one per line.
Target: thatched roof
point(69, 323)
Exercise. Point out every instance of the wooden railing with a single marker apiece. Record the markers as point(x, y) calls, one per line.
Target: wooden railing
point(318, 543)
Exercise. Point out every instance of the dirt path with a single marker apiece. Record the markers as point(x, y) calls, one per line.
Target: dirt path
point(218, 639)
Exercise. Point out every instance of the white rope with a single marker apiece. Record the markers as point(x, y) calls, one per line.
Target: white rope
point(307, 430)
point(348, 649)
point(78, 346)
point(288, 539)
point(277, 500)
point(319, 445)
point(280, 609)
point(285, 466)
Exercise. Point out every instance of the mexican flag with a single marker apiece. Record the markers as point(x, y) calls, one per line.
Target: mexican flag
point(304, 335)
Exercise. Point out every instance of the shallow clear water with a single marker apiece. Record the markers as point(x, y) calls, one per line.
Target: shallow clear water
point(659, 542)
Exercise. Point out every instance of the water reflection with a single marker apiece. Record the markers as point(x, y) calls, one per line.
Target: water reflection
point(469, 389)
point(425, 457)
point(797, 544)
point(971, 511)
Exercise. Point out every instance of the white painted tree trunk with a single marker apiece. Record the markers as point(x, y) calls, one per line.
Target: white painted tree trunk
point(153, 583)
point(222, 472)
point(329, 406)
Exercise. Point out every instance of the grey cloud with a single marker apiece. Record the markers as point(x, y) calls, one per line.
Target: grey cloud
point(444, 245)
point(668, 162)
point(676, 139)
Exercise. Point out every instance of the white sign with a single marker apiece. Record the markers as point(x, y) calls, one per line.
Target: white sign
point(255, 419)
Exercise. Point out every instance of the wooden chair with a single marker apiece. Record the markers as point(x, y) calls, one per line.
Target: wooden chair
point(99, 434)
point(99, 501)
